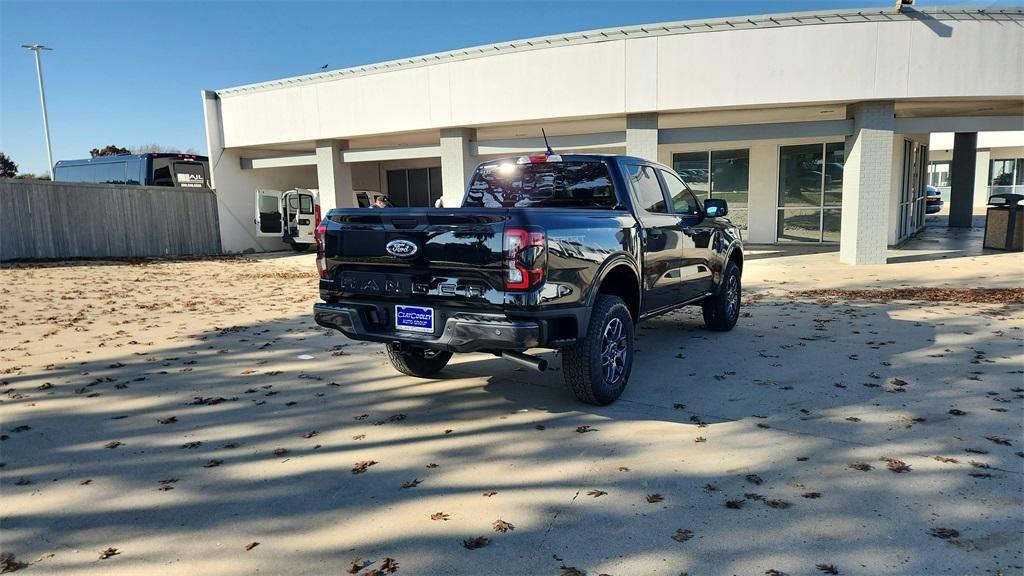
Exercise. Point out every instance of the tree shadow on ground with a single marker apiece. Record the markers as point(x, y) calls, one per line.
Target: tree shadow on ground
point(795, 394)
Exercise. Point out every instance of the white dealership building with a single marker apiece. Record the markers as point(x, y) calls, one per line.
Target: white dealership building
point(815, 127)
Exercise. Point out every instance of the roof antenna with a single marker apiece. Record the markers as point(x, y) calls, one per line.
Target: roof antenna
point(550, 152)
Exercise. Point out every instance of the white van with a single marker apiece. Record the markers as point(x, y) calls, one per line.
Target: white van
point(292, 216)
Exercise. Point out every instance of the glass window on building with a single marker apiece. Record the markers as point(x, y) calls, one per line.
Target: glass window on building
point(1006, 176)
point(723, 174)
point(810, 192)
point(414, 187)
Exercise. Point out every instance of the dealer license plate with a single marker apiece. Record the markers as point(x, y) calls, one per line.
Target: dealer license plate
point(414, 319)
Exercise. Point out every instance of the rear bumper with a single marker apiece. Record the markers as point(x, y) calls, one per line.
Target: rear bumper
point(462, 332)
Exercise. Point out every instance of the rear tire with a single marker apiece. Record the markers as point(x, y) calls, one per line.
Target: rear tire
point(419, 362)
point(722, 310)
point(597, 367)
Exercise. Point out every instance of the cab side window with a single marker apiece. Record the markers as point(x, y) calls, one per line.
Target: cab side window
point(646, 189)
point(682, 199)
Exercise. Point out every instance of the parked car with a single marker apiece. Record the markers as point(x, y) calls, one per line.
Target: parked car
point(932, 200)
point(561, 252)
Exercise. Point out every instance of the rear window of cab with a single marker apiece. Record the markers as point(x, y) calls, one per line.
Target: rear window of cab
point(568, 184)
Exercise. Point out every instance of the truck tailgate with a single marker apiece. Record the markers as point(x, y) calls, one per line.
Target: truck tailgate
point(433, 255)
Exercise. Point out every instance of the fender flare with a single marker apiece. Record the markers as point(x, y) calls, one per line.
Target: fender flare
point(613, 261)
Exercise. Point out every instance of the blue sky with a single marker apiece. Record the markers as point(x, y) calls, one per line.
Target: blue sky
point(130, 73)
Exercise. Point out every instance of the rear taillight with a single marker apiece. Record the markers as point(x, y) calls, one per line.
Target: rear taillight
point(525, 258)
point(316, 213)
point(321, 258)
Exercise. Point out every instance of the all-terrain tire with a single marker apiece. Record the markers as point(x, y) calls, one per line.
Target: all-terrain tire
point(723, 309)
point(419, 362)
point(597, 367)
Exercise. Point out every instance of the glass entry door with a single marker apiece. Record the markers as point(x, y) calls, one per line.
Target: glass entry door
point(810, 192)
point(913, 191)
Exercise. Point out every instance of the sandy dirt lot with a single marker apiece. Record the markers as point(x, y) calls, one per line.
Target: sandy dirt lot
point(189, 418)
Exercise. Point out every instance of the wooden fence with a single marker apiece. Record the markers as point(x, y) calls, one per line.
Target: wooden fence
point(47, 220)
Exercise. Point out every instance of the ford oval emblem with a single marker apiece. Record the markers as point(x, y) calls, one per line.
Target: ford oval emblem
point(402, 248)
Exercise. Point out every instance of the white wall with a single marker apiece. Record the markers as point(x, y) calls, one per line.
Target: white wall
point(236, 199)
point(787, 65)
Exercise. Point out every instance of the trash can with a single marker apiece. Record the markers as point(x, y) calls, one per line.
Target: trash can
point(1004, 222)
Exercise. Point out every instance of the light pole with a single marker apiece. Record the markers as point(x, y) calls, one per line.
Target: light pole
point(42, 98)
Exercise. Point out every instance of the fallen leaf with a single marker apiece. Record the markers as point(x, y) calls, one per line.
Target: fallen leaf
point(700, 439)
point(310, 434)
point(251, 545)
point(473, 544)
point(541, 427)
point(104, 554)
point(944, 533)
point(811, 495)
point(957, 412)
point(439, 516)
point(623, 469)
point(489, 494)
point(213, 463)
point(654, 498)
point(774, 572)
point(946, 460)
point(431, 465)
point(682, 535)
point(570, 571)
point(776, 504)
point(734, 504)
point(23, 481)
point(411, 483)
point(355, 566)
point(754, 479)
point(361, 467)
point(359, 436)
point(169, 420)
point(827, 568)
point(8, 563)
point(85, 482)
point(113, 444)
point(895, 465)
point(584, 428)
point(502, 526)
point(390, 565)
point(190, 445)
point(852, 419)
point(863, 467)
point(998, 440)
point(596, 493)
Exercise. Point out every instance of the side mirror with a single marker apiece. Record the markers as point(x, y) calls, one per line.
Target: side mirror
point(715, 207)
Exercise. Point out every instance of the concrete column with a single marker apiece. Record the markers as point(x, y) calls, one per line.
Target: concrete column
point(981, 175)
point(214, 132)
point(457, 163)
point(961, 179)
point(334, 177)
point(867, 183)
point(642, 136)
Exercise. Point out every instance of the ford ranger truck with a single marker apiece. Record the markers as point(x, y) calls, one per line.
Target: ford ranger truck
point(548, 251)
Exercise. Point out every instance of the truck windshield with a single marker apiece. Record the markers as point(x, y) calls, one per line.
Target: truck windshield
point(570, 184)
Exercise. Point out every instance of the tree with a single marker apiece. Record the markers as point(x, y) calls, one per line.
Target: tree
point(8, 169)
point(160, 148)
point(109, 151)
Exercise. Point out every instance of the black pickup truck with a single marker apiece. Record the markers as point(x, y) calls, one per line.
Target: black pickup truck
point(566, 252)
